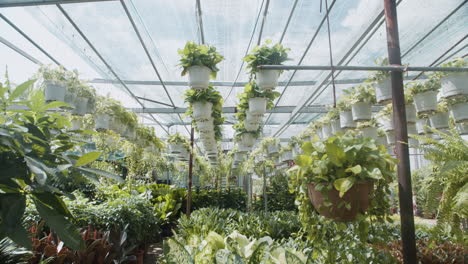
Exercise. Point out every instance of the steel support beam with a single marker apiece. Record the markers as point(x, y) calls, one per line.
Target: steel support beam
point(405, 193)
point(394, 68)
point(16, 3)
point(20, 51)
point(288, 21)
point(265, 13)
point(200, 21)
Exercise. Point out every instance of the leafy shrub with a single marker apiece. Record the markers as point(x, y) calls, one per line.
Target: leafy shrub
point(233, 199)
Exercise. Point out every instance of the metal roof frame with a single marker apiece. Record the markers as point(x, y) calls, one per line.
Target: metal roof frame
point(16, 3)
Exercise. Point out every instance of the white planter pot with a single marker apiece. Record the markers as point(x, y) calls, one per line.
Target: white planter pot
point(439, 120)
point(420, 126)
point(243, 148)
point(75, 124)
point(253, 118)
point(369, 132)
point(459, 112)
point(297, 150)
point(336, 126)
point(391, 150)
point(116, 126)
point(130, 132)
point(267, 79)
point(410, 113)
point(346, 120)
point(318, 133)
point(54, 91)
point(390, 137)
point(454, 84)
point(247, 139)
point(176, 148)
point(257, 105)
point(286, 156)
point(199, 77)
point(205, 125)
point(201, 110)
point(272, 149)
point(462, 128)
point(81, 106)
point(70, 98)
point(251, 127)
point(327, 131)
point(361, 111)
point(425, 102)
point(382, 140)
point(383, 91)
point(412, 131)
point(91, 107)
point(101, 121)
point(387, 123)
point(239, 156)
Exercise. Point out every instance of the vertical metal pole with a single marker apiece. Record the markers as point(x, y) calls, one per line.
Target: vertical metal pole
point(401, 137)
point(189, 181)
point(265, 188)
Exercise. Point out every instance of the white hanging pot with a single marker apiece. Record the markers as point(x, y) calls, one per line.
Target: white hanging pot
point(454, 84)
point(205, 125)
point(336, 126)
point(390, 137)
point(420, 126)
point(410, 113)
point(412, 131)
point(369, 132)
point(75, 124)
point(346, 120)
point(81, 106)
point(70, 98)
point(101, 121)
point(318, 133)
point(387, 123)
point(199, 77)
point(286, 156)
point(257, 105)
point(239, 156)
point(251, 127)
point(54, 91)
point(247, 139)
point(267, 79)
point(327, 131)
point(297, 150)
point(361, 111)
point(115, 125)
point(459, 112)
point(383, 91)
point(272, 148)
point(91, 107)
point(439, 120)
point(425, 102)
point(176, 148)
point(243, 148)
point(382, 140)
point(462, 128)
point(201, 110)
point(391, 150)
point(253, 118)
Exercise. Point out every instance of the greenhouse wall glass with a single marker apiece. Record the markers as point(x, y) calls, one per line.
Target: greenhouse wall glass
point(221, 131)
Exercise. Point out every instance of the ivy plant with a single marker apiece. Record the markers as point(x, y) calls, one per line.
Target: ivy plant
point(199, 55)
point(266, 54)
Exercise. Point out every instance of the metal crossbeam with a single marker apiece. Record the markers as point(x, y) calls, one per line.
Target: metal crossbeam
point(363, 68)
point(15, 3)
point(200, 21)
point(20, 51)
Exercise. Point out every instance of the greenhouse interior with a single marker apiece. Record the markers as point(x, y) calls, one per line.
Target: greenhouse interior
point(222, 131)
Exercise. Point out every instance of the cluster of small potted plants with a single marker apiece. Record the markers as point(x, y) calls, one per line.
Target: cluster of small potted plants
point(205, 102)
point(258, 95)
point(179, 146)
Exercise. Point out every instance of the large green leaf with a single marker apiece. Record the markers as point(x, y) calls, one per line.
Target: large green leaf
point(335, 153)
point(303, 160)
point(40, 174)
point(20, 89)
point(344, 184)
point(291, 258)
point(53, 201)
point(308, 148)
point(102, 173)
point(355, 170)
point(64, 228)
point(55, 104)
point(12, 207)
point(88, 158)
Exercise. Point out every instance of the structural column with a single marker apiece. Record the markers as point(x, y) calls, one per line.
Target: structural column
point(189, 180)
point(401, 136)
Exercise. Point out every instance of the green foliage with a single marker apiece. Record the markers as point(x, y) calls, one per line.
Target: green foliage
point(379, 76)
point(266, 54)
point(233, 199)
point(361, 93)
point(34, 153)
point(199, 55)
point(11, 254)
point(433, 84)
point(456, 63)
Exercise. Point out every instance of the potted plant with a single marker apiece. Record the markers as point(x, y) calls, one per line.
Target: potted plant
point(333, 116)
point(271, 145)
point(454, 83)
point(368, 129)
point(409, 108)
point(385, 117)
point(84, 95)
point(266, 54)
point(103, 114)
point(422, 122)
point(286, 154)
point(459, 108)
point(381, 137)
point(383, 83)
point(346, 117)
point(390, 137)
point(412, 131)
point(440, 118)
point(362, 99)
point(425, 95)
point(199, 61)
point(177, 143)
point(75, 123)
point(343, 178)
point(54, 83)
point(462, 128)
point(258, 101)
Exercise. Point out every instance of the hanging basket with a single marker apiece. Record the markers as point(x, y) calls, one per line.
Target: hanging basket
point(205, 125)
point(410, 113)
point(247, 139)
point(101, 122)
point(382, 140)
point(459, 112)
point(346, 120)
point(176, 148)
point(273, 149)
point(387, 123)
point(454, 84)
point(425, 102)
point(116, 126)
point(439, 120)
point(369, 132)
point(201, 110)
point(336, 126)
point(412, 131)
point(243, 148)
point(250, 126)
point(462, 128)
point(327, 131)
point(390, 137)
point(286, 156)
point(383, 91)
point(70, 98)
point(81, 106)
point(199, 77)
point(130, 132)
point(75, 124)
point(357, 197)
point(267, 79)
point(257, 105)
point(54, 91)
point(361, 111)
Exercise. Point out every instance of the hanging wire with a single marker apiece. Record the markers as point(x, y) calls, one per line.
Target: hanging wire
point(330, 52)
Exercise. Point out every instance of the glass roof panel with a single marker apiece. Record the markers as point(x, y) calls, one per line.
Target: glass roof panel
point(19, 68)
